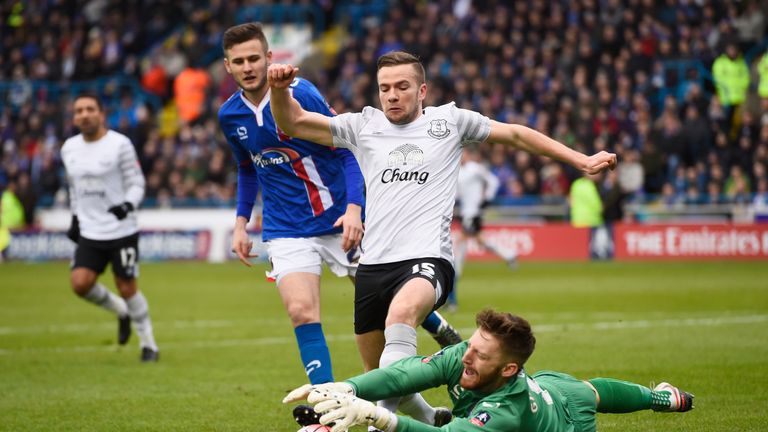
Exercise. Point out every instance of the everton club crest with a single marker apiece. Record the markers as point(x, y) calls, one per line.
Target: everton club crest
point(438, 129)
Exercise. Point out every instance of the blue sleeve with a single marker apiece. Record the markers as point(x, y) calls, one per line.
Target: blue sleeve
point(353, 177)
point(247, 179)
point(309, 97)
point(247, 188)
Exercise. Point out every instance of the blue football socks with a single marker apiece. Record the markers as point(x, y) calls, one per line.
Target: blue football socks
point(314, 353)
point(432, 322)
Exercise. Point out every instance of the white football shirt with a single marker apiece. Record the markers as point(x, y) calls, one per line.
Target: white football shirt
point(410, 177)
point(476, 184)
point(103, 174)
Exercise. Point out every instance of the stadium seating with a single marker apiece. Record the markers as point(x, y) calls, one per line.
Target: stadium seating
point(613, 75)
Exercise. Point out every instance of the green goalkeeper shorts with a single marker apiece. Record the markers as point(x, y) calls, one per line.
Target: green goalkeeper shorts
point(580, 400)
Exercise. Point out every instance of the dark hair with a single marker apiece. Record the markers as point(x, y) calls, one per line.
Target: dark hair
point(88, 95)
point(514, 332)
point(395, 58)
point(243, 33)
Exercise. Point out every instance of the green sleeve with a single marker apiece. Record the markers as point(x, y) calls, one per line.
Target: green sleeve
point(410, 375)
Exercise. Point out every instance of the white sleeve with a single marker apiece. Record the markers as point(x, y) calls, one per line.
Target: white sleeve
point(473, 127)
point(133, 179)
point(345, 129)
point(72, 195)
point(70, 181)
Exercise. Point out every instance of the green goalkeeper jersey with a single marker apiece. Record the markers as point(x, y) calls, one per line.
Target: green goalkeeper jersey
point(520, 405)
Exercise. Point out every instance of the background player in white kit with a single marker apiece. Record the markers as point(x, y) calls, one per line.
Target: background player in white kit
point(409, 157)
point(106, 186)
point(477, 186)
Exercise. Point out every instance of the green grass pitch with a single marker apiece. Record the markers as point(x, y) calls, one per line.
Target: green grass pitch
point(228, 354)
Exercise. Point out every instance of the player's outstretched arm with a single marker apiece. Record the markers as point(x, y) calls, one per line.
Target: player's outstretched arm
point(290, 117)
point(535, 142)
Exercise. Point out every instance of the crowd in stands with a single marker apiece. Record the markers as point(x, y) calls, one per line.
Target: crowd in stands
point(678, 89)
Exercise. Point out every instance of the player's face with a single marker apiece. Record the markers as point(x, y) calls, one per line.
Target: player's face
point(87, 116)
point(400, 93)
point(486, 368)
point(247, 63)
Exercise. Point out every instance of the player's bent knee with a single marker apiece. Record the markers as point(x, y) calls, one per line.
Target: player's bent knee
point(301, 314)
point(82, 282)
point(127, 287)
point(409, 315)
point(410, 311)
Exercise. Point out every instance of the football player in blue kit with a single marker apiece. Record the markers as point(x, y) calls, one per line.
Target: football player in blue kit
point(312, 196)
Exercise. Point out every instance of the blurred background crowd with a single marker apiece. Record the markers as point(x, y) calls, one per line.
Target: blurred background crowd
point(677, 88)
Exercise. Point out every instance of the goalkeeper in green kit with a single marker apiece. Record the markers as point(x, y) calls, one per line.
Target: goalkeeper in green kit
point(489, 389)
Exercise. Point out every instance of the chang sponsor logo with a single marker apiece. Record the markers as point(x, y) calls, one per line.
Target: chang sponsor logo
point(90, 186)
point(395, 175)
point(401, 158)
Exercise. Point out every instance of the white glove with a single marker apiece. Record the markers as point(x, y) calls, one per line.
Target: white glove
point(301, 393)
point(345, 410)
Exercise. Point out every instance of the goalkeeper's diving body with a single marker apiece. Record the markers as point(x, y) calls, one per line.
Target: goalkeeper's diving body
point(489, 388)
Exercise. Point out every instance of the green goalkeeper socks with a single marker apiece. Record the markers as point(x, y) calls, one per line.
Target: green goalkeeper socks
point(618, 396)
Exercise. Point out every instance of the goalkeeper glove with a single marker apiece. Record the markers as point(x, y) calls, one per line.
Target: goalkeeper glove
point(74, 229)
point(344, 411)
point(122, 210)
point(301, 393)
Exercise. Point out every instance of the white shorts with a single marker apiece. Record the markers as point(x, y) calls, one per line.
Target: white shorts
point(306, 255)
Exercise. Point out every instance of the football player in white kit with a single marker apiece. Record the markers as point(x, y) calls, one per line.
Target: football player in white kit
point(106, 186)
point(477, 186)
point(409, 156)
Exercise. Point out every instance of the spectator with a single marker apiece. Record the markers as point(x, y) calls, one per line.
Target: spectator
point(554, 183)
point(155, 79)
point(760, 201)
point(613, 198)
point(11, 208)
point(585, 201)
point(190, 89)
point(762, 72)
point(669, 198)
point(695, 136)
point(590, 76)
point(731, 76)
point(737, 187)
point(714, 194)
point(630, 173)
point(27, 198)
point(653, 166)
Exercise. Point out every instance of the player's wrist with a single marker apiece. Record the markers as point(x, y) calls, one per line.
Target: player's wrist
point(354, 208)
point(241, 223)
point(384, 419)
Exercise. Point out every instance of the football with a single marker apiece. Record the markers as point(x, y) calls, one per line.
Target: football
point(315, 428)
